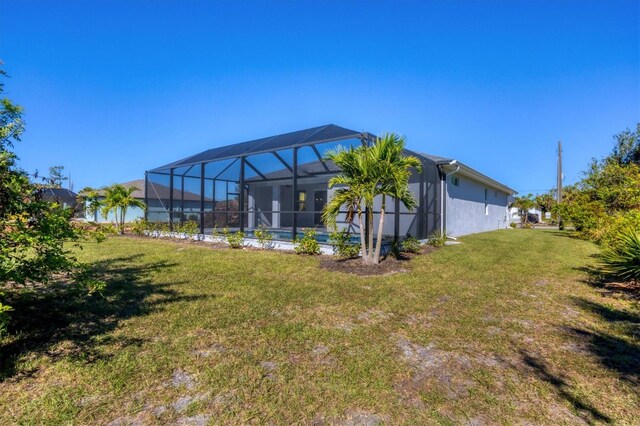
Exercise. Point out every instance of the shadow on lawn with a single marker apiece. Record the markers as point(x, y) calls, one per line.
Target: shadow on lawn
point(539, 368)
point(58, 322)
point(618, 352)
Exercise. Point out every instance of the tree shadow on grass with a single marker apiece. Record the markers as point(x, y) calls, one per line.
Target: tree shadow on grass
point(539, 368)
point(617, 352)
point(596, 278)
point(59, 322)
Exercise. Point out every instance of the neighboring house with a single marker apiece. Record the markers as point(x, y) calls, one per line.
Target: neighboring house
point(535, 215)
point(133, 213)
point(64, 197)
point(281, 182)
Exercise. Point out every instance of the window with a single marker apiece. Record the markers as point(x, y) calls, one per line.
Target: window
point(302, 198)
point(455, 180)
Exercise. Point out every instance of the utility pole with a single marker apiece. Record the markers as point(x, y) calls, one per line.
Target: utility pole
point(559, 182)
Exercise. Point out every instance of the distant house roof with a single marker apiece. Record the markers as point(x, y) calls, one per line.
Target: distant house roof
point(159, 191)
point(58, 193)
point(139, 184)
point(138, 193)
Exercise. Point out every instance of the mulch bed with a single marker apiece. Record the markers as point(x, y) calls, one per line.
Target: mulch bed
point(387, 266)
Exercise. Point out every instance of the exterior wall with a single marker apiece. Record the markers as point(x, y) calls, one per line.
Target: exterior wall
point(466, 212)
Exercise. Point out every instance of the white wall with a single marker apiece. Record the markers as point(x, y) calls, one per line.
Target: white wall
point(465, 207)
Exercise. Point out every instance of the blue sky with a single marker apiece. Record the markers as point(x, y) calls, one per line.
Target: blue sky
point(112, 88)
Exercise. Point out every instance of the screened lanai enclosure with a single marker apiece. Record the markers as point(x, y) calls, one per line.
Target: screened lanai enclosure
point(278, 182)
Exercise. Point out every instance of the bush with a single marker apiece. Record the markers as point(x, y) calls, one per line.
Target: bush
point(160, 227)
point(234, 239)
point(608, 230)
point(188, 228)
point(622, 261)
point(513, 225)
point(342, 245)
point(140, 226)
point(438, 239)
point(307, 244)
point(411, 245)
point(527, 225)
point(264, 236)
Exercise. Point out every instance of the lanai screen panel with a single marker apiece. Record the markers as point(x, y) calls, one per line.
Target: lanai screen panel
point(246, 185)
point(157, 191)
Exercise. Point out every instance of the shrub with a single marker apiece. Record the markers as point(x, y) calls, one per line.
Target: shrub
point(215, 233)
point(307, 244)
point(438, 239)
point(610, 228)
point(342, 245)
point(234, 239)
point(527, 225)
point(188, 228)
point(264, 236)
point(140, 226)
point(411, 245)
point(160, 227)
point(622, 261)
point(513, 225)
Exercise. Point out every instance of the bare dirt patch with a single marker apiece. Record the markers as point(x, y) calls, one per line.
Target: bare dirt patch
point(182, 378)
point(361, 418)
point(447, 370)
point(355, 266)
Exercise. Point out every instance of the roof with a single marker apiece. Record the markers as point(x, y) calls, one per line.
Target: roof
point(139, 184)
point(159, 191)
point(326, 133)
point(320, 134)
point(58, 192)
point(138, 193)
point(465, 170)
point(435, 158)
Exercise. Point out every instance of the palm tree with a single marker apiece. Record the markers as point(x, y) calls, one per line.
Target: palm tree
point(90, 198)
point(394, 171)
point(366, 173)
point(524, 204)
point(118, 199)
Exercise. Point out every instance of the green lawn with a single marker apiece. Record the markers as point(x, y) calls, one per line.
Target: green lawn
point(500, 329)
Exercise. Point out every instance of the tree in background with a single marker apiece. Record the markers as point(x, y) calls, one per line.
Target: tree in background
point(32, 232)
point(545, 202)
point(627, 147)
point(117, 200)
point(605, 206)
point(91, 200)
point(524, 204)
point(56, 176)
point(381, 170)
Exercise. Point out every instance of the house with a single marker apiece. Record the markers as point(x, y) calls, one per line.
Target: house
point(133, 213)
point(281, 182)
point(64, 197)
point(535, 215)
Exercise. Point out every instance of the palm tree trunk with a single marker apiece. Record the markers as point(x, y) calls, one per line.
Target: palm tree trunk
point(370, 234)
point(376, 257)
point(363, 242)
point(123, 213)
